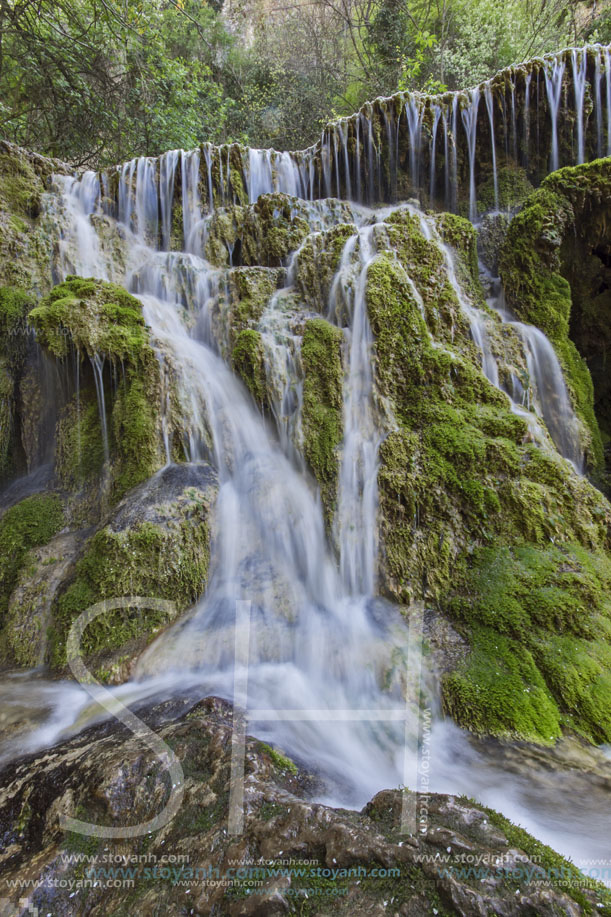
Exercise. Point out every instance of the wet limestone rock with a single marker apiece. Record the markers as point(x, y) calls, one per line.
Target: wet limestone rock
point(345, 862)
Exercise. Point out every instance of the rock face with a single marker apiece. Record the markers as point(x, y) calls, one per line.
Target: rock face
point(292, 856)
point(555, 266)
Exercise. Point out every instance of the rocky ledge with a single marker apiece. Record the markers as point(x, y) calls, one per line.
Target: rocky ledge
point(293, 856)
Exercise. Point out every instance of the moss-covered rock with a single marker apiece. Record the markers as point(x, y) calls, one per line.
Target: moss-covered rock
point(322, 405)
point(26, 525)
point(248, 362)
point(102, 327)
point(263, 233)
point(539, 623)
point(156, 544)
point(25, 242)
point(513, 187)
point(95, 317)
point(459, 474)
point(15, 303)
point(562, 226)
point(42, 573)
point(317, 262)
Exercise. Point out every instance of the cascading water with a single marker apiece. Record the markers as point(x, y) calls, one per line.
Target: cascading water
point(357, 500)
point(322, 642)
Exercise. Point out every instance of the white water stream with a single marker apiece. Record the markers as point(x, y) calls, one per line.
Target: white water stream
point(321, 644)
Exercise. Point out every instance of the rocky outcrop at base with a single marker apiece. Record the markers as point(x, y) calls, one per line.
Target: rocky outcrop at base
point(293, 856)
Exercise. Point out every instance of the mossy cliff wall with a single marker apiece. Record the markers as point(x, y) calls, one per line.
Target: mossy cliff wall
point(555, 269)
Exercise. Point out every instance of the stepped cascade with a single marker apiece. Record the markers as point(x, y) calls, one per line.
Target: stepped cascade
point(346, 404)
point(520, 125)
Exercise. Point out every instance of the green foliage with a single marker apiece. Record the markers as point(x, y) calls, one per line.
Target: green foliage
point(99, 82)
point(26, 525)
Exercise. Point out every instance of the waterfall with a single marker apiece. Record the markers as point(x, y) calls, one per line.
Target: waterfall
point(321, 644)
point(356, 526)
point(527, 81)
point(97, 364)
point(598, 102)
point(413, 115)
point(191, 200)
point(490, 107)
point(580, 64)
point(554, 71)
point(436, 117)
point(552, 399)
point(361, 157)
point(317, 631)
point(167, 174)
point(469, 118)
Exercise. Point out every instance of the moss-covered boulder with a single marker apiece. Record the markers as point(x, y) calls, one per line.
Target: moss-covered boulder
point(155, 544)
point(100, 326)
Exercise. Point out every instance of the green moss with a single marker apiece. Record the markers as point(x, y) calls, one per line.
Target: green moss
point(501, 692)
point(401, 339)
point(21, 187)
point(135, 433)
point(318, 261)
point(557, 231)
point(263, 233)
point(96, 317)
point(251, 289)
point(14, 305)
point(282, 762)
point(513, 188)
point(30, 523)
point(462, 236)
point(247, 359)
point(169, 562)
point(322, 405)
point(539, 622)
point(103, 321)
point(79, 456)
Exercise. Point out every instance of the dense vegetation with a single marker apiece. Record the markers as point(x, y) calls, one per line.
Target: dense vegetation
point(98, 81)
